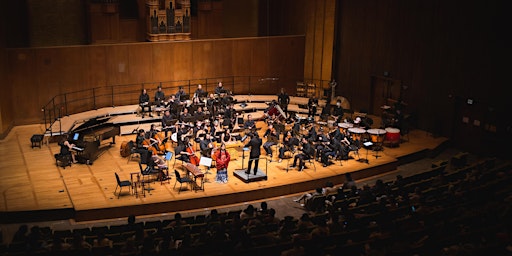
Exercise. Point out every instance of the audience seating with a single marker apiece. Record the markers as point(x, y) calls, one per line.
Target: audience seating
point(450, 201)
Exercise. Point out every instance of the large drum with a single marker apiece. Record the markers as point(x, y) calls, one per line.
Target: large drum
point(357, 133)
point(345, 126)
point(376, 135)
point(392, 138)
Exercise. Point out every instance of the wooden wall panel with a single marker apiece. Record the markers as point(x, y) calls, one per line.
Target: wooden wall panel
point(163, 59)
point(60, 70)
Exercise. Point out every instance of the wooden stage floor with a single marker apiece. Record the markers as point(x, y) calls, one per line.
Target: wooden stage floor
point(34, 188)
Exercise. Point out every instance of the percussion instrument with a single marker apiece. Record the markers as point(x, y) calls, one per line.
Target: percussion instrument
point(321, 123)
point(392, 136)
point(276, 111)
point(376, 135)
point(345, 126)
point(174, 137)
point(356, 132)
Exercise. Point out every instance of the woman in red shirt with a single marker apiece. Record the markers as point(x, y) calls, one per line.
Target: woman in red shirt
point(222, 159)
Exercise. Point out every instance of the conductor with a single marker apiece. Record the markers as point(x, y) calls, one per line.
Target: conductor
point(255, 145)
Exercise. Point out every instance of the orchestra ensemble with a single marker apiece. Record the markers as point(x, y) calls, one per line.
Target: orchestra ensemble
point(196, 126)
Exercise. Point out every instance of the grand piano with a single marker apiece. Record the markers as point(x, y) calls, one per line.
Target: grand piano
point(89, 136)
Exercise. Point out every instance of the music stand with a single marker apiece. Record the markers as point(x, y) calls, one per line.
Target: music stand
point(365, 160)
point(243, 158)
point(207, 162)
point(168, 157)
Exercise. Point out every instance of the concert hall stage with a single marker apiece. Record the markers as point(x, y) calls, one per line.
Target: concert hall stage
point(35, 189)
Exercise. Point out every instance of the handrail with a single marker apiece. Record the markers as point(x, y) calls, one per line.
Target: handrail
point(69, 103)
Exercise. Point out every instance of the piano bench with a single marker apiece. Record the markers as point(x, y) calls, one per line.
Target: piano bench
point(36, 140)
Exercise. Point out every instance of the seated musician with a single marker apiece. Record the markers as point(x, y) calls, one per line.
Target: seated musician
point(198, 94)
point(330, 149)
point(249, 123)
point(206, 145)
point(272, 139)
point(173, 105)
point(326, 112)
point(337, 112)
point(219, 89)
point(159, 165)
point(159, 96)
point(288, 144)
point(228, 116)
point(210, 104)
point(167, 120)
point(66, 148)
point(222, 159)
point(320, 141)
point(307, 152)
point(144, 103)
point(180, 94)
point(152, 132)
point(199, 113)
point(141, 146)
point(184, 115)
point(226, 136)
point(181, 151)
point(312, 134)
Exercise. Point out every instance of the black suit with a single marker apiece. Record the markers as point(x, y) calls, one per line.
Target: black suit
point(255, 144)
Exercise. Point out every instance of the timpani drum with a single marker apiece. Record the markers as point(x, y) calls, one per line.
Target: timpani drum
point(392, 136)
point(376, 135)
point(357, 133)
point(345, 126)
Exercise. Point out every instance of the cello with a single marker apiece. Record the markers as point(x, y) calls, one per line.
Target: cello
point(192, 155)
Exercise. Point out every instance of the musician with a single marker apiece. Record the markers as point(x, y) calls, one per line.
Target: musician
point(159, 96)
point(312, 105)
point(173, 105)
point(66, 148)
point(228, 116)
point(288, 144)
point(158, 164)
point(326, 112)
point(320, 141)
point(206, 145)
point(182, 133)
point(312, 134)
point(199, 94)
point(227, 136)
point(185, 115)
point(222, 159)
point(210, 104)
point(272, 137)
point(179, 95)
point(144, 102)
point(167, 122)
point(219, 89)
point(254, 155)
point(337, 112)
point(249, 123)
point(199, 113)
point(307, 152)
point(152, 132)
point(330, 149)
point(283, 99)
point(141, 147)
point(183, 151)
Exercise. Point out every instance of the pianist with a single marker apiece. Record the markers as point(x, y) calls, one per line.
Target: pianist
point(68, 148)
